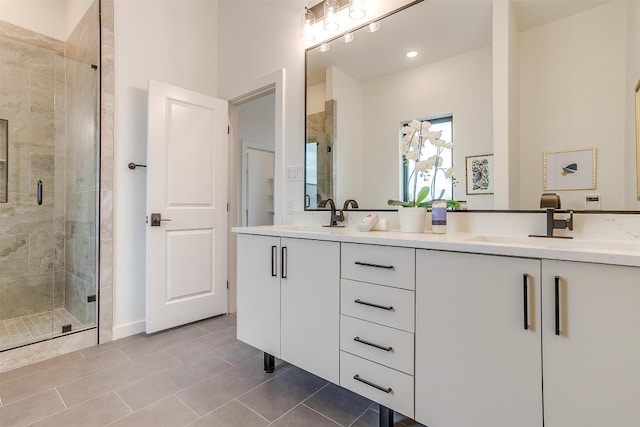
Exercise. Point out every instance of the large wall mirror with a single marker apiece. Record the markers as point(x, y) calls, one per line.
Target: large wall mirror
point(572, 72)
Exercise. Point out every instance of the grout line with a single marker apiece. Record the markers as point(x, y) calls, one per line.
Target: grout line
point(320, 413)
point(189, 407)
point(236, 399)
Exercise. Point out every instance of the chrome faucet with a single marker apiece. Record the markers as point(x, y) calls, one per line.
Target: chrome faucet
point(336, 216)
point(348, 202)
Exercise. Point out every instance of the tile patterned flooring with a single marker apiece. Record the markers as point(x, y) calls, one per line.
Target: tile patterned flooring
point(195, 375)
point(27, 329)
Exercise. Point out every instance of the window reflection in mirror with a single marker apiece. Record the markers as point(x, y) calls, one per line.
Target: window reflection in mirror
point(440, 186)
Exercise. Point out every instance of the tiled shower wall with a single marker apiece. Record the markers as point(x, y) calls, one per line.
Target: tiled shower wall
point(31, 248)
point(43, 94)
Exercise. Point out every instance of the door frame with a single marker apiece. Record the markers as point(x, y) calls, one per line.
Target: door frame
point(269, 83)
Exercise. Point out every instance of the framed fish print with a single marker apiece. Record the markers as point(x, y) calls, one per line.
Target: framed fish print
point(479, 174)
point(570, 170)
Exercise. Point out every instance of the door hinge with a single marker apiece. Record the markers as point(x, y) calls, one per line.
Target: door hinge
point(227, 206)
point(228, 130)
point(227, 284)
point(91, 298)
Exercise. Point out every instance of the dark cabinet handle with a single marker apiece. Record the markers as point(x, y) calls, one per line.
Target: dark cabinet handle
point(39, 192)
point(283, 261)
point(525, 293)
point(557, 303)
point(369, 383)
point(370, 304)
point(367, 264)
point(274, 262)
point(381, 347)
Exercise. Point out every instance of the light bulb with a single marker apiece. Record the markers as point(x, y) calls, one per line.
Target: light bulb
point(357, 9)
point(324, 47)
point(306, 30)
point(373, 27)
point(412, 54)
point(330, 15)
point(348, 38)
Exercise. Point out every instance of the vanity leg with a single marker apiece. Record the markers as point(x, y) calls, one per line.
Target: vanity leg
point(269, 363)
point(386, 416)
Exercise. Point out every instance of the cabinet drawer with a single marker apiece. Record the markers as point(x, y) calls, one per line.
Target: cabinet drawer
point(384, 265)
point(380, 344)
point(379, 304)
point(395, 388)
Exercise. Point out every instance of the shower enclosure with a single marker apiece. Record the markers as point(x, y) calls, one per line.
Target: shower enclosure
point(49, 175)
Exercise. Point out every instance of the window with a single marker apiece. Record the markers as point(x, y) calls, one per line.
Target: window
point(445, 124)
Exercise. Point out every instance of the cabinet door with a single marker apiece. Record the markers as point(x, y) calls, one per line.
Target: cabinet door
point(476, 364)
point(259, 292)
point(310, 289)
point(592, 368)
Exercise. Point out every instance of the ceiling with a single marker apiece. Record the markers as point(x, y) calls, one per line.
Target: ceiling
point(436, 29)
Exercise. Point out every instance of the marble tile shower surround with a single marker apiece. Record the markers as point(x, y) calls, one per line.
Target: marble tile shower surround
point(322, 130)
point(38, 239)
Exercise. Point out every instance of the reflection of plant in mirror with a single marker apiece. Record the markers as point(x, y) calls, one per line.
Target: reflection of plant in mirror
point(416, 135)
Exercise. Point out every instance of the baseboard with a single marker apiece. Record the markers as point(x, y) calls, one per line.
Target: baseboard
point(129, 329)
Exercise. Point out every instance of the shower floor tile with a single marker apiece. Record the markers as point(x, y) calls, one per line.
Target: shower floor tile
point(25, 329)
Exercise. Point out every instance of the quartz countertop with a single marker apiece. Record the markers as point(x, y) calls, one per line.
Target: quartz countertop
point(615, 252)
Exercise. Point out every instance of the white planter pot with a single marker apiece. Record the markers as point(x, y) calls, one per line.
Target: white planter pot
point(412, 220)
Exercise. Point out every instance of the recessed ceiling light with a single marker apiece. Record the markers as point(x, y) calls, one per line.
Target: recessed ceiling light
point(412, 54)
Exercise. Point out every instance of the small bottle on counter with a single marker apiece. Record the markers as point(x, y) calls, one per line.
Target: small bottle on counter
point(439, 216)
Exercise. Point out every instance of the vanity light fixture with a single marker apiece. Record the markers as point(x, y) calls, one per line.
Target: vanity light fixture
point(412, 54)
point(331, 15)
point(308, 19)
point(348, 38)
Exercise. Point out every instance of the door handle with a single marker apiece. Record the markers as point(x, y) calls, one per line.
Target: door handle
point(156, 219)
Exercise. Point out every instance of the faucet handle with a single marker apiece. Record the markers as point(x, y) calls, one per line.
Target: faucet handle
point(570, 221)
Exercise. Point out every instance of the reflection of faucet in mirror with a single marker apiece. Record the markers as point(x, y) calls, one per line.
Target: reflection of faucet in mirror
point(348, 202)
point(336, 216)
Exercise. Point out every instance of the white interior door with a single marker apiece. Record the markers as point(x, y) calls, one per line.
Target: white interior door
point(187, 165)
point(258, 186)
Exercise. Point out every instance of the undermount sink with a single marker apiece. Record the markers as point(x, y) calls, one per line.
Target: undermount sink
point(311, 228)
point(559, 243)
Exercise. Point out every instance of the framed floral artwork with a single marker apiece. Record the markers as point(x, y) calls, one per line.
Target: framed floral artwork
point(479, 172)
point(570, 169)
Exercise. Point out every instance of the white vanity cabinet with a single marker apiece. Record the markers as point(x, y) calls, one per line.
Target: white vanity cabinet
point(377, 308)
point(591, 363)
point(289, 298)
point(478, 361)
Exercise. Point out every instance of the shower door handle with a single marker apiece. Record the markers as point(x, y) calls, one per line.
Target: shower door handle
point(156, 219)
point(39, 192)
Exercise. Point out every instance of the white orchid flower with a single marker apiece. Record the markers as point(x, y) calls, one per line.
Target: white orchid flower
point(425, 127)
point(415, 124)
point(407, 130)
point(450, 173)
point(449, 145)
point(411, 155)
point(423, 166)
point(437, 134)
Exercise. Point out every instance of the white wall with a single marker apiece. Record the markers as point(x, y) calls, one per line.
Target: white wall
point(573, 74)
point(53, 18)
point(316, 95)
point(633, 76)
point(171, 41)
point(349, 144)
point(461, 86)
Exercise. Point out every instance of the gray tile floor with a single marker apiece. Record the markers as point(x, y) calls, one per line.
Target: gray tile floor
point(195, 375)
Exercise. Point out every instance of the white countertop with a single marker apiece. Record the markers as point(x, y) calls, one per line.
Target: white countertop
point(616, 252)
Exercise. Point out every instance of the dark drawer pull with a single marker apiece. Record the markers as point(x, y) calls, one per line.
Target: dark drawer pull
point(367, 264)
point(381, 347)
point(525, 293)
point(369, 383)
point(557, 303)
point(370, 304)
